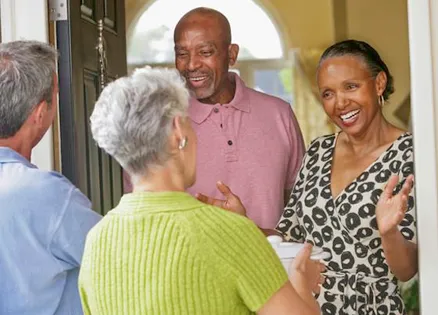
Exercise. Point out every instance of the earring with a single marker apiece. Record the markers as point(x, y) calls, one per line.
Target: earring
point(381, 101)
point(182, 143)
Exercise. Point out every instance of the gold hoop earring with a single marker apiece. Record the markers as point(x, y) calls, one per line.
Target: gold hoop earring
point(182, 143)
point(381, 100)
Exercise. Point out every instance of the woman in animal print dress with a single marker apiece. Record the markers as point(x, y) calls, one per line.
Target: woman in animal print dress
point(339, 201)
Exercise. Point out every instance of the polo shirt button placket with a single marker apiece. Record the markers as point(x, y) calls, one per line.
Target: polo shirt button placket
point(231, 145)
point(231, 152)
point(216, 110)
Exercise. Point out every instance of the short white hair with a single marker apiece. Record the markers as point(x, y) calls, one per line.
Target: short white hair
point(133, 117)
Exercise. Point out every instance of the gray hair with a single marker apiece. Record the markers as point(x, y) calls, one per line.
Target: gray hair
point(133, 117)
point(26, 79)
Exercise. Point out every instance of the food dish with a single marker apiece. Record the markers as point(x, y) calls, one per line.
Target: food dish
point(287, 251)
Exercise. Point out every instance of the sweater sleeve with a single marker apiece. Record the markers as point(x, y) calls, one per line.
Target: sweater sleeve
point(261, 273)
point(256, 268)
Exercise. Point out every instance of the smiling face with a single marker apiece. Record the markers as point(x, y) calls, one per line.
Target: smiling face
point(350, 94)
point(203, 55)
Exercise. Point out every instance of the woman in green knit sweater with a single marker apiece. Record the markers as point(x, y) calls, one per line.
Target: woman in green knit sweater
point(161, 251)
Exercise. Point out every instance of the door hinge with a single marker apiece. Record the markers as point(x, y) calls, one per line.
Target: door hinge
point(58, 10)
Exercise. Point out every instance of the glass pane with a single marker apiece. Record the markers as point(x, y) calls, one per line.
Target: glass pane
point(252, 29)
point(277, 82)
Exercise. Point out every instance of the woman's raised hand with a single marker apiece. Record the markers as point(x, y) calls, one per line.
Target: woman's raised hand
point(391, 209)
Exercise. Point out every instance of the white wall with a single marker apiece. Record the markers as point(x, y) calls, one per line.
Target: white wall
point(27, 19)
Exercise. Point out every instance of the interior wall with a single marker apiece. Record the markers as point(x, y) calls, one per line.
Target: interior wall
point(307, 24)
point(384, 24)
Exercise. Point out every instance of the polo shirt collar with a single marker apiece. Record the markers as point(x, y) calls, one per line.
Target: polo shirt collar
point(199, 112)
point(7, 155)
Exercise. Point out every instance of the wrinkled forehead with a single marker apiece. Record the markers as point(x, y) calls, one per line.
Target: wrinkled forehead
point(335, 71)
point(343, 65)
point(351, 60)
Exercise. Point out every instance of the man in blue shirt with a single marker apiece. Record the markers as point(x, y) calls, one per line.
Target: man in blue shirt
point(44, 219)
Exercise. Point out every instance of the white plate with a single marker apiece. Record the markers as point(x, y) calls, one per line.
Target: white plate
point(288, 250)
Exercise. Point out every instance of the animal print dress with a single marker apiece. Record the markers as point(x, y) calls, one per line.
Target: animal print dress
point(358, 279)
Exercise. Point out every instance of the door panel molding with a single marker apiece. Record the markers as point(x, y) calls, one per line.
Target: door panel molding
point(95, 173)
point(109, 14)
point(88, 9)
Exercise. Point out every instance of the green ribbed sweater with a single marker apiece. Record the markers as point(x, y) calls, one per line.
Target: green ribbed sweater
point(168, 253)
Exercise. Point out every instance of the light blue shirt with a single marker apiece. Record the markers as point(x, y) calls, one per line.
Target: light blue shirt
point(44, 221)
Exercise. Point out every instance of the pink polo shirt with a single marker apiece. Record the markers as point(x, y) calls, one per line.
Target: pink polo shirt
point(254, 145)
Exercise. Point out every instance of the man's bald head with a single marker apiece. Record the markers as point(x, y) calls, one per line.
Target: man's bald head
point(204, 53)
point(208, 18)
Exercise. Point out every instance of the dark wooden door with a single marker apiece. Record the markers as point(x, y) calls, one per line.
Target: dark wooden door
point(81, 77)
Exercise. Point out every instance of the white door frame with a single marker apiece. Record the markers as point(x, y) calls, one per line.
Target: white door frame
point(27, 19)
point(423, 46)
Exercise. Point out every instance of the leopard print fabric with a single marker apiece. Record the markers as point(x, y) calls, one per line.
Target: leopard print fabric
point(358, 279)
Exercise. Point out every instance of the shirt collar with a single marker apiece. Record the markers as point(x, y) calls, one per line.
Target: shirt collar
point(199, 112)
point(7, 155)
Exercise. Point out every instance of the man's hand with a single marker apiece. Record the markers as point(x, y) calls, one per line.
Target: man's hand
point(231, 202)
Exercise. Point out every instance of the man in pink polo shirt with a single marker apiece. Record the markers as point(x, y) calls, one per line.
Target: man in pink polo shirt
point(249, 140)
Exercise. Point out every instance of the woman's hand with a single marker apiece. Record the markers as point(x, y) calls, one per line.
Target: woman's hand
point(304, 271)
point(231, 202)
point(390, 209)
